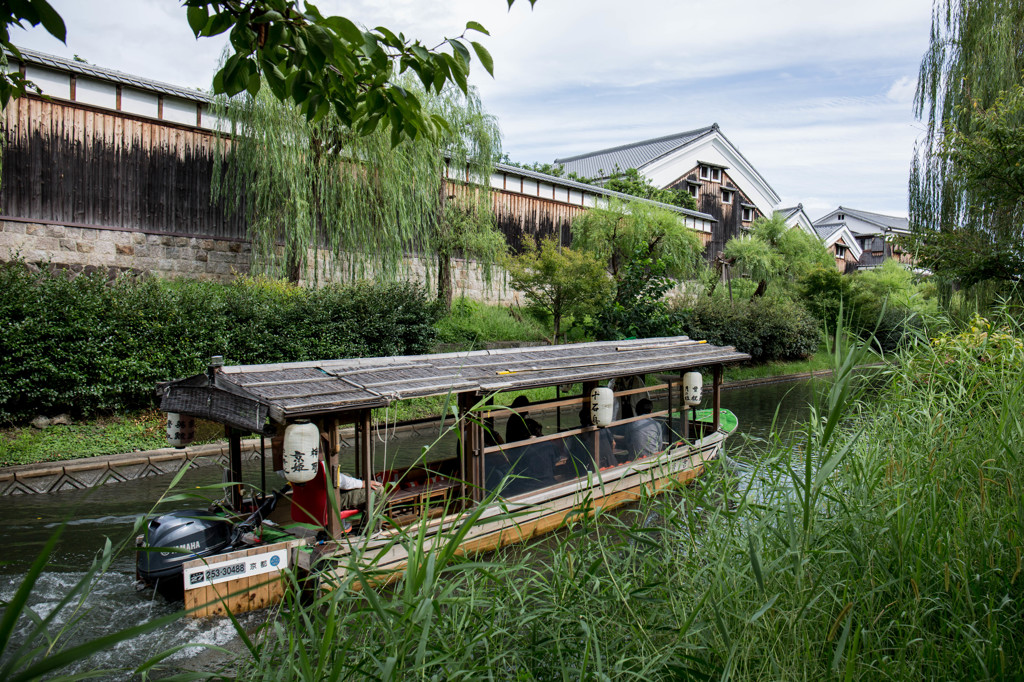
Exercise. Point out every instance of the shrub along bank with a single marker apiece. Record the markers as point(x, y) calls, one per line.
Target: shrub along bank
point(84, 345)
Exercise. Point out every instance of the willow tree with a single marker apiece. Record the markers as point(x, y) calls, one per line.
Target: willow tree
point(974, 60)
point(774, 250)
point(626, 231)
point(362, 200)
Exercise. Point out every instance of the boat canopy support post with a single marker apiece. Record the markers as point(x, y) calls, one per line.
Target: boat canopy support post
point(684, 409)
point(716, 398)
point(471, 441)
point(331, 460)
point(671, 416)
point(263, 465)
point(366, 457)
point(234, 437)
point(585, 420)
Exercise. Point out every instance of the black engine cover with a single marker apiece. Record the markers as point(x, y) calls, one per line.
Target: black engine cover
point(187, 535)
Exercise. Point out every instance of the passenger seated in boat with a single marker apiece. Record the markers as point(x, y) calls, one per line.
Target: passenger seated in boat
point(581, 447)
point(539, 458)
point(517, 428)
point(643, 437)
point(309, 499)
point(491, 435)
point(352, 491)
point(528, 463)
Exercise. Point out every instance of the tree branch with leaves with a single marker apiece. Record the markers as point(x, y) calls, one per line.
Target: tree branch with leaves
point(320, 64)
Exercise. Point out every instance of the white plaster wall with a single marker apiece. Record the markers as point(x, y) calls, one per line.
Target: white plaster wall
point(139, 103)
point(53, 83)
point(96, 93)
point(179, 110)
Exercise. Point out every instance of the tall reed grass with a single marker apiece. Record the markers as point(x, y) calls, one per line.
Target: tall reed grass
point(884, 542)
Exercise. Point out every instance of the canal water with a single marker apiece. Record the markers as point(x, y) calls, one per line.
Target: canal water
point(91, 516)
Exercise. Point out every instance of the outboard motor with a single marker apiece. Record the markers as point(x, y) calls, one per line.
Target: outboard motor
point(187, 535)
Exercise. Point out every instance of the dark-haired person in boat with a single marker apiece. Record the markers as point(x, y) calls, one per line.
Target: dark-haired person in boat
point(644, 436)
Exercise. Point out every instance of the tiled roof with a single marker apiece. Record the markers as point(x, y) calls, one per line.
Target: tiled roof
point(827, 230)
point(606, 161)
point(880, 219)
point(788, 213)
point(594, 189)
point(81, 68)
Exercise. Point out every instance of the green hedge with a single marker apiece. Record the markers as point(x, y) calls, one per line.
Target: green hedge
point(85, 344)
point(766, 328)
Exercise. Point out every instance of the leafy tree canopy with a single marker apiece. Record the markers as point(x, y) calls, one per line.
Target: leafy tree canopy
point(773, 250)
point(319, 64)
point(965, 179)
point(566, 283)
point(631, 182)
point(624, 231)
point(316, 184)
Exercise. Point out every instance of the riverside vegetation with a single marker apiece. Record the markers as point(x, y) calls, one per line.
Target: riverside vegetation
point(95, 349)
point(880, 541)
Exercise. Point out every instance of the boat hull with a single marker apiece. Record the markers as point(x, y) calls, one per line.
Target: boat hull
point(385, 554)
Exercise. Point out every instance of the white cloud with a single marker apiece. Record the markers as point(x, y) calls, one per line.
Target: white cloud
point(815, 94)
point(903, 90)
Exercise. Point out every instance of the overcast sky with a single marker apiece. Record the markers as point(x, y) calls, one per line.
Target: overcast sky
point(817, 94)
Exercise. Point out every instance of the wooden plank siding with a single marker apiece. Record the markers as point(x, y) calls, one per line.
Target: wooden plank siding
point(79, 165)
point(845, 263)
point(519, 215)
point(72, 164)
point(709, 200)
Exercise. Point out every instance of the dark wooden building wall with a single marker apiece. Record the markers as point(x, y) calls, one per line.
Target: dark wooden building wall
point(75, 165)
point(709, 200)
point(72, 164)
point(519, 215)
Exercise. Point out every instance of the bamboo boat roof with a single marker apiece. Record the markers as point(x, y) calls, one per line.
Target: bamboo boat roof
point(246, 395)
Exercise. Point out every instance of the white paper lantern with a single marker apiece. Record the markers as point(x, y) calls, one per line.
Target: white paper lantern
point(602, 401)
point(301, 452)
point(693, 384)
point(181, 429)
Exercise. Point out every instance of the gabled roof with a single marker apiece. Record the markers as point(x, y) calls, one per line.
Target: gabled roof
point(596, 189)
point(245, 395)
point(602, 163)
point(50, 61)
point(795, 216)
point(788, 213)
point(880, 219)
point(825, 231)
point(830, 233)
point(867, 222)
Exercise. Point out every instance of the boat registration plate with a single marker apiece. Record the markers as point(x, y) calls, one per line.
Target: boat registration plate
point(235, 568)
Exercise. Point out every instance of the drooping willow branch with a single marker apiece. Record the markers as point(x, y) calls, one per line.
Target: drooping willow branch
point(321, 201)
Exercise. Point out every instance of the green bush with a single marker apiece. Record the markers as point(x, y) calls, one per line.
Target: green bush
point(884, 304)
point(767, 328)
point(639, 309)
point(85, 345)
point(475, 323)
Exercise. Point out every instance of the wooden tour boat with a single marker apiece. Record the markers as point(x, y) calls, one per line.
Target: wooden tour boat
point(473, 486)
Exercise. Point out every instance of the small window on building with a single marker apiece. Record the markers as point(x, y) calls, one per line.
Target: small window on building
point(840, 251)
point(694, 190)
point(840, 216)
point(726, 196)
point(748, 215)
point(711, 173)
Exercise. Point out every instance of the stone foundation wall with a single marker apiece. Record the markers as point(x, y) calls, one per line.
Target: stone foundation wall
point(86, 249)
